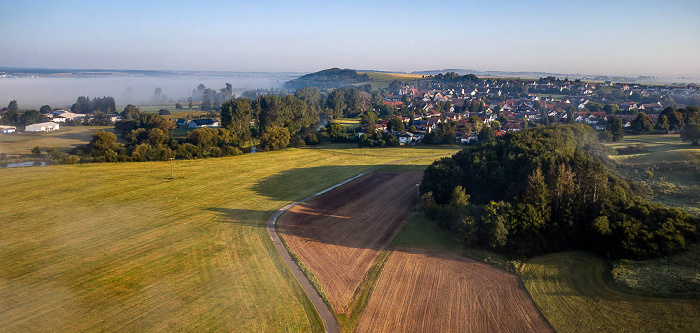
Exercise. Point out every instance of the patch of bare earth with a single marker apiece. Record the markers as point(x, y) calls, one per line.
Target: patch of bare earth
point(438, 291)
point(339, 235)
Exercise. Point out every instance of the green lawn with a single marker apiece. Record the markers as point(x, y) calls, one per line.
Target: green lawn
point(121, 247)
point(571, 292)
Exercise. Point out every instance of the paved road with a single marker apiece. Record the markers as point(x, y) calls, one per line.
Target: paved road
point(327, 317)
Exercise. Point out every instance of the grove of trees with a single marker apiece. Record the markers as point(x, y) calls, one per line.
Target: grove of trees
point(548, 189)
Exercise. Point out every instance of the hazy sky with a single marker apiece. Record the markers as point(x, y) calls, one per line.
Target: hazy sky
point(659, 38)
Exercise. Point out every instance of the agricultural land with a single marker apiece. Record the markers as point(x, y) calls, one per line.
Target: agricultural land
point(122, 246)
point(440, 291)
point(339, 235)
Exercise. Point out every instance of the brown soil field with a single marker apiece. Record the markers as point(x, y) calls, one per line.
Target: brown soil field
point(439, 291)
point(339, 234)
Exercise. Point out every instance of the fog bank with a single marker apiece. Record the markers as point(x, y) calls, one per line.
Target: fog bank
point(61, 92)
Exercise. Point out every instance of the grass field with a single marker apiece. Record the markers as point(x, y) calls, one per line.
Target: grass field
point(673, 276)
point(122, 247)
point(382, 80)
point(662, 149)
point(571, 292)
point(66, 138)
point(349, 122)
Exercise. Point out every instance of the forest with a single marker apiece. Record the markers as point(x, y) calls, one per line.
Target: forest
point(549, 189)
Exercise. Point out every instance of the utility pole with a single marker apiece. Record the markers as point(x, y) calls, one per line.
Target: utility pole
point(171, 167)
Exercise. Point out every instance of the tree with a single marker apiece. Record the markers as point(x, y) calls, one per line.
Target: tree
point(164, 112)
point(368, 118)
point(396, 124)
point(495, 125)
point(310, 95)
point(30, 117)
point(236, 115)
point(691, 132)
point(615, 127)
point(36, 151)
point(662, 124)
point(336, 102)
point(486, 134)
point(45, 109)
point(642, 124)
point(13, 105)
point(611, 108)
point(274, 138)
point(178, 106)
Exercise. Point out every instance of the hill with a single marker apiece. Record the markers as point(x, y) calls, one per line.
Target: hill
point(328, 78)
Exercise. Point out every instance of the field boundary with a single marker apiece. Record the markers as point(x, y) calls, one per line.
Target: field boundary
point(329, 321)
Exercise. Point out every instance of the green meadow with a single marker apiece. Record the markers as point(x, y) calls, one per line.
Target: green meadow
point(123, 247)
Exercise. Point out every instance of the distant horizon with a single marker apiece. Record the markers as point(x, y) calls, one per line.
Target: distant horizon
point(446, 69)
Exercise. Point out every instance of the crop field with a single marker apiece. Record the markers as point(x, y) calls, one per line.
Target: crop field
point(123, 247)
point(439, 291)
point(339, 235)
point(65, 139)
point(570, 290)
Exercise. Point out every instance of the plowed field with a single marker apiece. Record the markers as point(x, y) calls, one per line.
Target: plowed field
point(438, 291)
point(339, 235)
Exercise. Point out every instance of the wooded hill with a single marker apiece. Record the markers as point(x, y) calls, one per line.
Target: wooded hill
point(328, 78)
point(549, 189)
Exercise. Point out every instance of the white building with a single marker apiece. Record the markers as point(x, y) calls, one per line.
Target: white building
point(7, 129)
point(41, 127)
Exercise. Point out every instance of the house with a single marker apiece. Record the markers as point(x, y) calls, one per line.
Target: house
point(58, 114)
point(513, 127)
point(407, 138)
point(41, 127)
point(182, 122)
point(206, 122)
point(7, 129)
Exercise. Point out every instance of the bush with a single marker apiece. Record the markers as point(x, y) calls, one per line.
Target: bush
point(633, 149)
point(36, 151)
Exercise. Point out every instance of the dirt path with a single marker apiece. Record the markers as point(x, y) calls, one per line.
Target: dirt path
point(324, 312)
point(339, 235)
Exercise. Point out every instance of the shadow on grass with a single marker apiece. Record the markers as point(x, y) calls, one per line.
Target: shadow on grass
point(296, 184)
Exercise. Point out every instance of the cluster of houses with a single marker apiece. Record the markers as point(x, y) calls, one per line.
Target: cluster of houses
point(495, 101)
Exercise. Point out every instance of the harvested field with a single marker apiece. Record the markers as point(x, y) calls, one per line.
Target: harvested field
point(439, 291)
point(339, 235)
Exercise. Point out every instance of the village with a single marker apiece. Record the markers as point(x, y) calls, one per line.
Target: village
point(512, 105)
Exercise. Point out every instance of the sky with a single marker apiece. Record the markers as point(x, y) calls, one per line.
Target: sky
point(656, 38)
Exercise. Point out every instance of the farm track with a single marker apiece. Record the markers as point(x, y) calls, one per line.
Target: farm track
point(339, 235)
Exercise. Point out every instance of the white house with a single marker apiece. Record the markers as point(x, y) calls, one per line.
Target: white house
point(207, 122)
point(7, 129)
point(41, 127)
point(406, 138)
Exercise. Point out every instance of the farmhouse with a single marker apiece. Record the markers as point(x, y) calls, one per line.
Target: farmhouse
point(41, 127)
point(7, 129)
point(207, 122)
